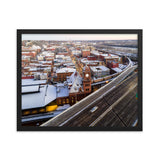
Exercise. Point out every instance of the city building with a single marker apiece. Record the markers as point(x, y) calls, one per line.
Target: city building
point(87, 62)
point(37, 97)
point(99, 56)
point(40, 76)
point(91, 58)
point(30, 53)
point(75, 86)
point(87, 79)
point(62, 94)
point(99, 71)
point(85, 53)
point(112, 64)
point(111, 57)
point(115, 70)
point(63, 73)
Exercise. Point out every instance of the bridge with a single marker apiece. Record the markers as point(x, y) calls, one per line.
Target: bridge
point(83, 108)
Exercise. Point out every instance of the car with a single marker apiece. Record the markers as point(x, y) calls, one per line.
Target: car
point(93, 109)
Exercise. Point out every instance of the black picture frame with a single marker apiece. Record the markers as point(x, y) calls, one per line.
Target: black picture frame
point(79, 31)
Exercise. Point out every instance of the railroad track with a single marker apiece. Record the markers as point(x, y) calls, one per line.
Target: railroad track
point(85, 118)
point(79, 107)
point(122, 115)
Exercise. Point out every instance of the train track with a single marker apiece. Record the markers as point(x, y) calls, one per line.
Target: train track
point(79, 107)
point(86, 118)
point(122, 115)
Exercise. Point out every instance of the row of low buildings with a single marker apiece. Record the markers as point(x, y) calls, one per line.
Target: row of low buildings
point(55, 60)
point(101, 64)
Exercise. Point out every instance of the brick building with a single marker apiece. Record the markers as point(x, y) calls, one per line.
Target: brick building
point(91, 58)
point(63, 53)
point(63, 73)
point(30, 53)
point(85, 53)
point(111, 57)
point(79, 87)
point(112, 64)
point(87, 80)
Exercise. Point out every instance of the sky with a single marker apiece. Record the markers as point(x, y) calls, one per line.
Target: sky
point(79, 36)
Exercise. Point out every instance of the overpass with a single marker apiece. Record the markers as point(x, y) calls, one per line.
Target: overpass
point(92, 99)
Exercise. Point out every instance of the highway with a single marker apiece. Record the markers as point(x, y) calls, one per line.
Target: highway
point(67, 116)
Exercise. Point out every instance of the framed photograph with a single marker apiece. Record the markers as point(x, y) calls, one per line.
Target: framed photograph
point(79, 80)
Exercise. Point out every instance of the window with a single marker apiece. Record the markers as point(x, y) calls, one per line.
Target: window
point(67, 100)
point(42, 110)
point(87, 85)
point(34, 111)
point(26, 112)
point(59, 101)
point(87, 89)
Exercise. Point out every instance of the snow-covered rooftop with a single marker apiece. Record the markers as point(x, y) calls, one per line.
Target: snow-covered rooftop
point(62, 90)
point(39, 99)
point(110, 56)
point(95, 53)
point(29, 89)
point(76, 81)
point(117, 70)
point(60, 56)
point(121, 66)
point(33, 69)
point(86, 61)
point(65, 70)
point(32, 81)
point(36, 47)
point(99, 68)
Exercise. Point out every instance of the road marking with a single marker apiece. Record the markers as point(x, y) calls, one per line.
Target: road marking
point(111, 107)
